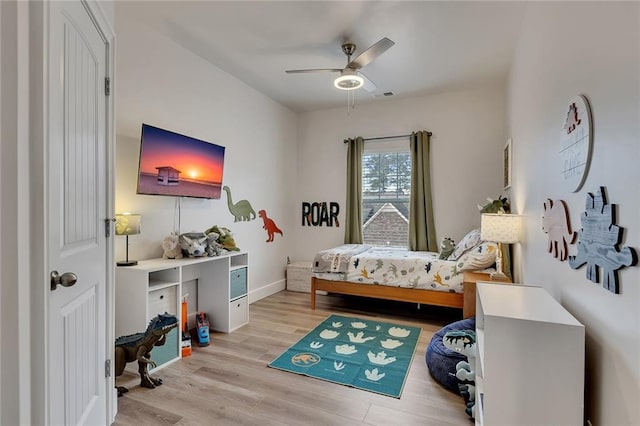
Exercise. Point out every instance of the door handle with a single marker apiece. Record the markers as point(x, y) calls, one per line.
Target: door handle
point(65, 280)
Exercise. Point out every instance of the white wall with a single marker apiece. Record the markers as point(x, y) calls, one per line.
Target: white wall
point(466, 148)
point(160, 83)
point(593, 49)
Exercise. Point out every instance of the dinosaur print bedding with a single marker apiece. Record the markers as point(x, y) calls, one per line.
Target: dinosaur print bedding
point(400, 267)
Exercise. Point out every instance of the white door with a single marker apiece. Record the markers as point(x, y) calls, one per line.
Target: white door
point(77, 207)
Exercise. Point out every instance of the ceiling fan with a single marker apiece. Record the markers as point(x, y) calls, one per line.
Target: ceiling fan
point(350, 77)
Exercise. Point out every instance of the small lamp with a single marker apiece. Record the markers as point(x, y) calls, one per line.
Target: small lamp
point(500, 228)
point(127, 224)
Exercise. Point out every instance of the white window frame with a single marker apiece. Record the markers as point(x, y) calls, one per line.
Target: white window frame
point(379, 147)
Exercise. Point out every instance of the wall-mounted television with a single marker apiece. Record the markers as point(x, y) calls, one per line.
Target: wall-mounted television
point(178, 165)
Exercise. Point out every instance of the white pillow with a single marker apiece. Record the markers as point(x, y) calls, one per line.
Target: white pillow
point(481, 257)
point(469, 241)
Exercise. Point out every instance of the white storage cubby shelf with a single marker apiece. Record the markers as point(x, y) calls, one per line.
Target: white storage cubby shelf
point(154, 287)
point(530, 358)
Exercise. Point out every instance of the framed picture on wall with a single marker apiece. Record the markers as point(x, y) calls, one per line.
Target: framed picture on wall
point(506, 164)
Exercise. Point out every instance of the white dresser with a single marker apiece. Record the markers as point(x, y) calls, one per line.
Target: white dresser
point(530, 358)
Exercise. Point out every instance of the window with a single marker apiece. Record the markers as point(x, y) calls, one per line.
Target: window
point(386, 186)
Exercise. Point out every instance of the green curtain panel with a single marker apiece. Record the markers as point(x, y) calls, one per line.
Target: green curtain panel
point(506, 260)
point(353, 220)
point(422, 232)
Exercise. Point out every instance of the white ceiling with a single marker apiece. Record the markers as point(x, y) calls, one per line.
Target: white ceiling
point(440, 45)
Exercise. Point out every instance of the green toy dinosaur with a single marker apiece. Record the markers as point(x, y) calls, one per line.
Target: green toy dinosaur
point(464, 342)
point(224, 238)
point(241, 210)
point(138, 347)
point(501, 205)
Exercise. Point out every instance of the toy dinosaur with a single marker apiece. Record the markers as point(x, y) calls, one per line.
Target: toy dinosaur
point(464, 342)
point(137, 347)
point(225, 239)
point(269, 225)
point(447, 245)
point(241, 210)
point(501, 205)
point(194, 244)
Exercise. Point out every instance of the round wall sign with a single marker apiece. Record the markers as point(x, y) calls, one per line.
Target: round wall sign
point(576, 143)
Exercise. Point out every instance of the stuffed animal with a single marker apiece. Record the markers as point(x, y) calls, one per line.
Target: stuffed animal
point(501, 205)
point(447, 245)
point(214, 248)
point(194, 244)
point(171, 247)
point(225, 238)
point(464, 342)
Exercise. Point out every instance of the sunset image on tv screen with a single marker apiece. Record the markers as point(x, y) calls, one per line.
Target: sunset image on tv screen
point(178, 165)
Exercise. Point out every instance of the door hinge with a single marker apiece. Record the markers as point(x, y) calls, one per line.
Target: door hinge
point(107, 86)
point(107, 227)
point(107, 368)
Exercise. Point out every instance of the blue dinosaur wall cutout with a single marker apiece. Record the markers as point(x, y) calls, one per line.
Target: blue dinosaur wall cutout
point(598, 241)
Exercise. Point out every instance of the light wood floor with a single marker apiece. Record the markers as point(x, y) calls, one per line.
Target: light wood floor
point(229, 382)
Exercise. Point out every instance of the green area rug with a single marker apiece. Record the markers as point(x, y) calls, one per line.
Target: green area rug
point(365, 354)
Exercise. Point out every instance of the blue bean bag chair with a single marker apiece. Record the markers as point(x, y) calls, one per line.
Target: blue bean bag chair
point(441, 361)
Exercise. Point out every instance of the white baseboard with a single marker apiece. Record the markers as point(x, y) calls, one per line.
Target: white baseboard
point(267, 290)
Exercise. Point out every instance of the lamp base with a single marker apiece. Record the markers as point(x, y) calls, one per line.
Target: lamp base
point(127, 262)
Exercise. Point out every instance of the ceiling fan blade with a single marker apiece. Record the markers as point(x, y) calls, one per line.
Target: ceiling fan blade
point(368, 85)
point(313, 70)
point(371, 53)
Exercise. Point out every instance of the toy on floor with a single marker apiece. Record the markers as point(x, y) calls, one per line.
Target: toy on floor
point(185, 343)
point(137, 347)
point(202, 327)
point(464, 342)
point(442, 361)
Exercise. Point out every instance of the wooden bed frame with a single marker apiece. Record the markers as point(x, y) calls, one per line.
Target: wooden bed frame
point(466, 301)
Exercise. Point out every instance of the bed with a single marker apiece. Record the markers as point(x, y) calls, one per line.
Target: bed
point(399, 274)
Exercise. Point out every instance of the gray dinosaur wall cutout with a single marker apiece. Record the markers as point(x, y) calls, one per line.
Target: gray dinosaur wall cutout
point(598, 240)
point(242, 210)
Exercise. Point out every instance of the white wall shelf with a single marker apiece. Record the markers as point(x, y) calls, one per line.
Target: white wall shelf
point(530, 360)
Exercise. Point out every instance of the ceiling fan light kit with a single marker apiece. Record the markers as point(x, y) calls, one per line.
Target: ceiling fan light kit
point(348, 80)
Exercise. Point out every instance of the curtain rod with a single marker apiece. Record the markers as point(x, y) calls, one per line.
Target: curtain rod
point(389, 137)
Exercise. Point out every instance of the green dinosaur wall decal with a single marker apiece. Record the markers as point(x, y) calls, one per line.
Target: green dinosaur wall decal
point(241, 210)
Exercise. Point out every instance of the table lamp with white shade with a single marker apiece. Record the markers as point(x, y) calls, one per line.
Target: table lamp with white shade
point(500, 228)
point(127, 224)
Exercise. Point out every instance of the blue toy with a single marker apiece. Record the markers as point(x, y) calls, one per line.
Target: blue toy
point(202, 327)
